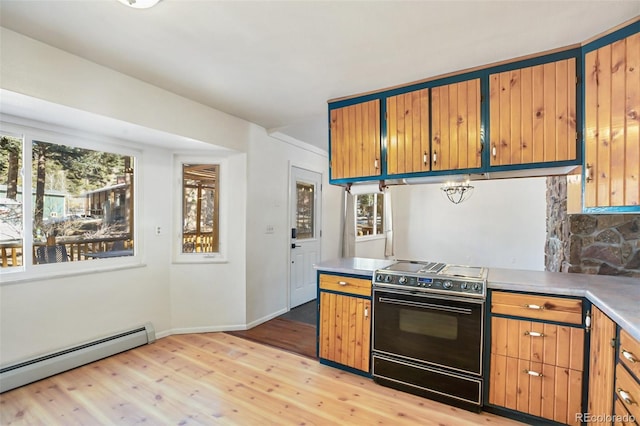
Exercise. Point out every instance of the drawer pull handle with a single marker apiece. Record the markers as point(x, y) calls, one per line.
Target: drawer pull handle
point(532, 373)
point(342, 283)
point(626, 397)
point(533, 334)
point(629, 356)
point(536, 307)
point(425, 158)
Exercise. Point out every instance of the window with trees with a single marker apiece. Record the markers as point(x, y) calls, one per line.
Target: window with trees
point(80, 206)
point(369, 214)
point(200, 200)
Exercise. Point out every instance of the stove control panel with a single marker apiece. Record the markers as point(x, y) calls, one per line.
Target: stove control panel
point(443, 284)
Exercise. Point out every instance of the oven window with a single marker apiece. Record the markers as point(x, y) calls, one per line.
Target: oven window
point(431, 324)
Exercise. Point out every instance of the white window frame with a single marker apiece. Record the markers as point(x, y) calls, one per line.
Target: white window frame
point(31, 131)
point(223, 200)
point(375, 236)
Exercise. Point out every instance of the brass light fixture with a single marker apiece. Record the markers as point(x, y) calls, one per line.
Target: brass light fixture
point(457, 192)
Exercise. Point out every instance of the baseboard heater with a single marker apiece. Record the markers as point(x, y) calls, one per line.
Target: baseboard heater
point(38, 368)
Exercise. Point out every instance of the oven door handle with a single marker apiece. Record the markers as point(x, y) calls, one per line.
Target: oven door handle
point(452, 309)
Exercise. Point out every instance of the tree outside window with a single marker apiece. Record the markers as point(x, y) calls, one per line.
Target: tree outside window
point(82, 203)
point(369, 214)
point(200, 216)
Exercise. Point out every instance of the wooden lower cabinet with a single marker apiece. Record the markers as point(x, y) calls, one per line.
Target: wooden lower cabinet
point(537, 368)
point(602, 356)
point(345, 330)
point(534, 388)
point(536, 362)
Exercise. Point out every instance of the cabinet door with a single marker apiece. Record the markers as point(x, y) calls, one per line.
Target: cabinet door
point(345, 330)
point(534, 388)
point(612, 126)
point(455, 122)
point(408, 132)
point(355, 140)
point(532, 114)
point(601, 363)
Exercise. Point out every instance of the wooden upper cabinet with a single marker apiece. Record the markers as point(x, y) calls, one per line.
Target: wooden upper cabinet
point(455, 123)
point(612, 124)
point(408, 132)
point(355, 140)
point(532, 114)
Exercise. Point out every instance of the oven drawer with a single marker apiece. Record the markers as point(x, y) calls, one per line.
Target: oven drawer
point(630, 353)
point(550, 308)
point(535, 388)
point(343, 284)
point(628, 391)
point(557, 345)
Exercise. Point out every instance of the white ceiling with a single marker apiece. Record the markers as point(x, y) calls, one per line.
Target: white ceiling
point(276, 63)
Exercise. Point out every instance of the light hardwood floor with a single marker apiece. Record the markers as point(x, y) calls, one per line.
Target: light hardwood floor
point(216, 378)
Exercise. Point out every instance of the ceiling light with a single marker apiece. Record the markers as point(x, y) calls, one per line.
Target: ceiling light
point(139, 4)
point(457, 192)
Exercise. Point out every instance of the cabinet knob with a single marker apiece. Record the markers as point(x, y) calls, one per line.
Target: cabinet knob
point(532, 373)
point(493, 150)
point(343, 283)
point(626, 397)
point(535, 307)
point(629, 356)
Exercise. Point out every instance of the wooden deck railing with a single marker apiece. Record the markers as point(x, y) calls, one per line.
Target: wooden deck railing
point(76, 248)
point(194, 243)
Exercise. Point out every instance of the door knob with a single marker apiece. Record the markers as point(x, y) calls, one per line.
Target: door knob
point(294, 245)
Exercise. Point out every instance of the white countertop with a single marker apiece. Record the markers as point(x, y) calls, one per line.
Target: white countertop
point(354, 265)
point(618, 297)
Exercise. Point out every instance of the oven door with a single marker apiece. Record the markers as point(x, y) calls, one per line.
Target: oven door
point(438, 330)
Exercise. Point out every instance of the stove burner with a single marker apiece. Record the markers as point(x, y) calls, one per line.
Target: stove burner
point(433, 277)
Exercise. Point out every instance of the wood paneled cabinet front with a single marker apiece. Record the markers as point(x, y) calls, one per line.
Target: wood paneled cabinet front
point(536, 367)
point(612, 124)
point(455, 119)
point(408, 133)
point(602, 355)
point(345, 321)
point(532, 114)
point(355, 140)
point(454, 114)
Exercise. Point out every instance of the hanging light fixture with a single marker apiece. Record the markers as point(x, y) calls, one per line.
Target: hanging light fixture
point(457, 192)
point(139, 4)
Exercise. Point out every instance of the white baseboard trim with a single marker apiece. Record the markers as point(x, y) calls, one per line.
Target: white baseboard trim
point(266, 318)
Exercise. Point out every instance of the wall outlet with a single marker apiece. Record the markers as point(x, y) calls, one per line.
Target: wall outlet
point(158, 230)
point(270, 229)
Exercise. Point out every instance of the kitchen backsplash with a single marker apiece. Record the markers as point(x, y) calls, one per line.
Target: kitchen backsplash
point(604, 244)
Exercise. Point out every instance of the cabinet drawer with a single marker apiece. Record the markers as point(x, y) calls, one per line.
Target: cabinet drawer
point(549, 308)
point(535, 388)
point(360, 286)
point(630, 353)
point(552, 344)
point(628, 391)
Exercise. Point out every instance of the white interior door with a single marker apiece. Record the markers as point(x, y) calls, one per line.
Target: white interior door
point(305, 206)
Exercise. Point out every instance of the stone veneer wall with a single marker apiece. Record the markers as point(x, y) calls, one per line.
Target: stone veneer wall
point(604, 244)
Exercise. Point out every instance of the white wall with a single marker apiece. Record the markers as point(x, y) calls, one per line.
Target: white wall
point(269, 162)
point(35, 69)
point(43, 315)
point(39, 316)
point(502, 225)
point(211, 296)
